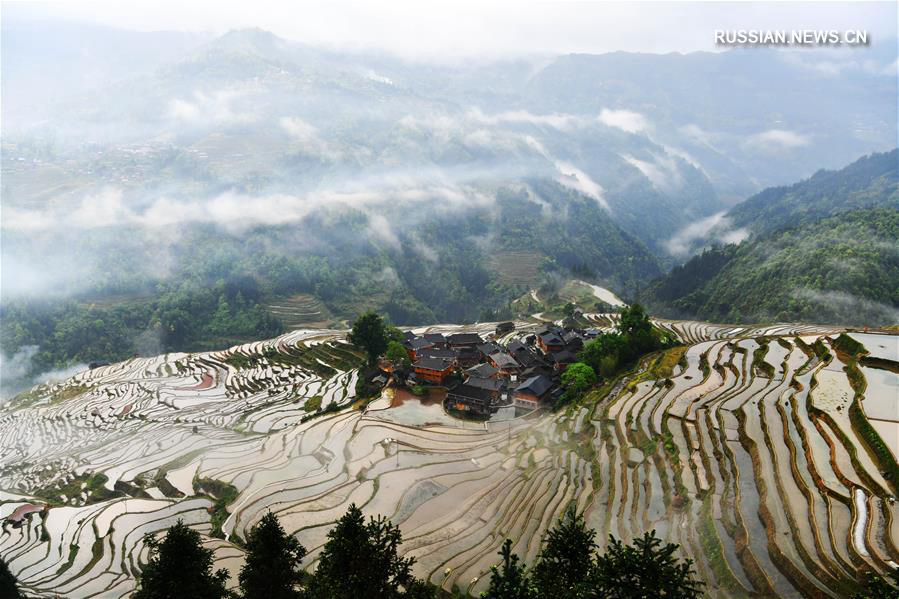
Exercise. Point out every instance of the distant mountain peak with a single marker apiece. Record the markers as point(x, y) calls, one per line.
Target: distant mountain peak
point(250, 40)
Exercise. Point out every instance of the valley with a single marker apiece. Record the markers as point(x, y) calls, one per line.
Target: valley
point(746, 445)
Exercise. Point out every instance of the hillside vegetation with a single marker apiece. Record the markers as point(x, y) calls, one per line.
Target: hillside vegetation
point(869, 181)
point(823, 250)
point(842, 269)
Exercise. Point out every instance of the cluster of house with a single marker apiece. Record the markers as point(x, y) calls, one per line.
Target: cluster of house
point(482, 376)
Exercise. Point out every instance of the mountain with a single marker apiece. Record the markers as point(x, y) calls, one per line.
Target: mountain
point(822, 250)
point(870, 181)
point(222, 189)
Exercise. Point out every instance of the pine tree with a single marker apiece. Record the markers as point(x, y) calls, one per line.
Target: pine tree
point(180, 567)
point(567, 559)
point(360, 560)
point(509, 580)
point(643, 570)
point(272, 569)
point(9, 586)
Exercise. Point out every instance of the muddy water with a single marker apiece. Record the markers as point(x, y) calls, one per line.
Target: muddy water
point(410, 409)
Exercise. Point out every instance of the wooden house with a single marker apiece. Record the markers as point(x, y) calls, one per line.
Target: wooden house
point(505, 363)
point(531, 392)
point(470, 398)
point(433, 370)
point(550, 340)
point(459, 340)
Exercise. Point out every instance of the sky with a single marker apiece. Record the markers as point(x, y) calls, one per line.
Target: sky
point(467, 29)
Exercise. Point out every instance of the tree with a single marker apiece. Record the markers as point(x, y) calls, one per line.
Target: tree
point(634, 320)
point(569, 309)
point(370, 333)
point(272, 569)
point(604, 353)
point(360, 560)
point(645, 569)
point(397, 354)
point(9, 586)
point(577, 379)
point(180, 567)
point(876, 587)
point(509, 580)
point(567, 559)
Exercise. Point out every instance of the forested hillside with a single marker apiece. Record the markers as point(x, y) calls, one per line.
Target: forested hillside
point(870, 181)
point(841, 269)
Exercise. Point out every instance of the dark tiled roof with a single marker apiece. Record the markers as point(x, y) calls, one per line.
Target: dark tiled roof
point(515, 345)
point(484, 383)
point(433, 364)
point(437, 352)
point(551, 339)
point(420, 343)
point(504, 360)
point(464, 339)
point(471, 393)
point(482, 370)
point(435, 337)
point(536, 385)
point(489, 348)
point(564, 357)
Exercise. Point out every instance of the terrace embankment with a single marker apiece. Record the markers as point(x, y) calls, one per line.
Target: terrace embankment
point(740, 446)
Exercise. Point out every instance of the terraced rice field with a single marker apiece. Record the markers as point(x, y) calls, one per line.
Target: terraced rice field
point(301, 311)
point(744, 454)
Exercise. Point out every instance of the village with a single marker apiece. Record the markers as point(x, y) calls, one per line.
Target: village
point(481, 376)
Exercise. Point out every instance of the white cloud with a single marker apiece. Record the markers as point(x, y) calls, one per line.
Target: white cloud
point(569, 175)
point(776, 139)
point(237, 212)
point(204, 108)
point(562, 122)
point(626, 120)
point(307, 138)
point(575, 178)
point(663, 172)
point(848, 302)
point(716, 227)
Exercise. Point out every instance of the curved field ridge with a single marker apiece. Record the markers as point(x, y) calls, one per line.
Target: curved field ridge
point(746, 456)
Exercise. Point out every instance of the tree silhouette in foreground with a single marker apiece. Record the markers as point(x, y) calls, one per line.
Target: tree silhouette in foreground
point(180, 567)
point(878, 587)
point(509, 580)
point(360, 560)
point(9, 586)
point(645, 569)
point(567, 560)
point(272, 569)
point(569, 567)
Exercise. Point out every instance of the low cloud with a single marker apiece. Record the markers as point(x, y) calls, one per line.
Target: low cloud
point(211, 108)
point(626, 120)
point(662, 172)
point(562, 122)
point(307, 139)
point(778, 139)
point(864, 309)
point(570, 176)
point(693, 237)
point(236, 212)
point(16, 372)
